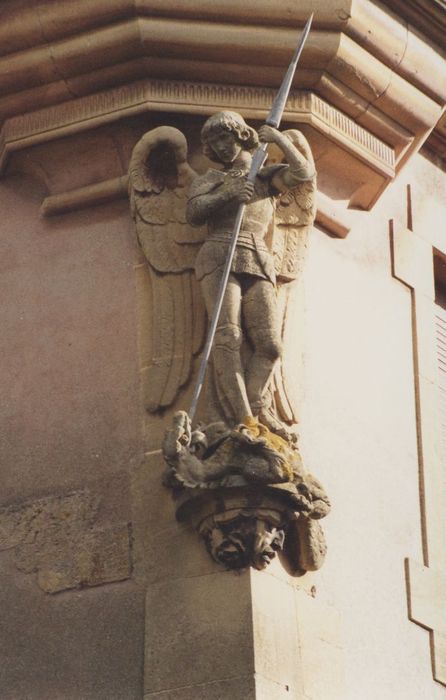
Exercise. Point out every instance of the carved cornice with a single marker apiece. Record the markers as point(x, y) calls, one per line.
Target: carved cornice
point(59, 41)
point(156, 48)
point(362, 58)
point(198, 98)
point(50, 53)
point(427, 15)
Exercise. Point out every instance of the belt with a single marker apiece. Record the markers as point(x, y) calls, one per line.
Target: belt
point(246, 238)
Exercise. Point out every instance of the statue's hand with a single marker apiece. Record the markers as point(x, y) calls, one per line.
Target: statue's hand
point(239, 189)
point(182, 428)
point(177, 438)
point(246, 192)
point(268, 134)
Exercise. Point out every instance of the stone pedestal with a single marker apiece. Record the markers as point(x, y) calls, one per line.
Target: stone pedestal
point(239, 636)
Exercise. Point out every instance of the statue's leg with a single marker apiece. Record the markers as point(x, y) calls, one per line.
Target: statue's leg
point(261, 321)
point(227, 366)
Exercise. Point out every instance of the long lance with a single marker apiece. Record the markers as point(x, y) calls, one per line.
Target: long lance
point(273, 119)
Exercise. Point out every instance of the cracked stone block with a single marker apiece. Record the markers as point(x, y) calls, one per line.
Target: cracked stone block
point(57, 538)
point(101, 556)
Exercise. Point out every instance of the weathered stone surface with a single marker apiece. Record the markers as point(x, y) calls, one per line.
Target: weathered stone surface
point(58, 538)
point(162, 547)
point(27, 521)
point(199, 630)
point(229, 689)
point(276, 642)
point(79, 645)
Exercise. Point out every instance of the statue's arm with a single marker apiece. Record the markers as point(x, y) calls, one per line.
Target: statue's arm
point(299, 168)
point(202, 205)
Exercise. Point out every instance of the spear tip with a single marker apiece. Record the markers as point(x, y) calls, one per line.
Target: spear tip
point(305, 32)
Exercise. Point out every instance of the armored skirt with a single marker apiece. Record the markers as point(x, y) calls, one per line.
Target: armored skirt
point(252, 255)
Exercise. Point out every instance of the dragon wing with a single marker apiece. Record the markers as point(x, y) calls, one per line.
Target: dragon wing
point(294, 215)
point(159, 180)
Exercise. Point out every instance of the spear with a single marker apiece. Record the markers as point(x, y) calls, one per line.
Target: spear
point(273, 119)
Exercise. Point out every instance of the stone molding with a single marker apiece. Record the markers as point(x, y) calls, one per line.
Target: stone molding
point(362, 57)
point(373, 159)
point(198, 98)
point(55, 38)
point(427, 15)
point(413, 265)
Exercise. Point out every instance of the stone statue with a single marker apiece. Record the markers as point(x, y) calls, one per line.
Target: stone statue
point(240, 475)
point(250, 309)
point(184, 224)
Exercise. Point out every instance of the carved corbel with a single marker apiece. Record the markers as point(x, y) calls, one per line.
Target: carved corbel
point(246, 493)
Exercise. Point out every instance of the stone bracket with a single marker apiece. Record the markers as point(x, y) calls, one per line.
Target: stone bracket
point(247, 525)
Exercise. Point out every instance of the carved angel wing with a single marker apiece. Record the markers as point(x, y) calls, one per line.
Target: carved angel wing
point(159, 180)
point(294, 216)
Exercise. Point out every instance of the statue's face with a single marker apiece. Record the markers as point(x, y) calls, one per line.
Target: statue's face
point(225, 146)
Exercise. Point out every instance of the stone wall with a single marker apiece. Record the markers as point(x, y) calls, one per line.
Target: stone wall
point(71, 434)
point(103, 594)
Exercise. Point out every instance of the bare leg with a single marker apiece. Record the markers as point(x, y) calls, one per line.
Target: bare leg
point(262, 326)
point(228, 372)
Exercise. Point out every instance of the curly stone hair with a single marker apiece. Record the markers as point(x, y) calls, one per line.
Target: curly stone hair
point(233, 123)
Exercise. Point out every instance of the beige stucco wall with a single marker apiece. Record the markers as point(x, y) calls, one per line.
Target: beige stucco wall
point(358, 428)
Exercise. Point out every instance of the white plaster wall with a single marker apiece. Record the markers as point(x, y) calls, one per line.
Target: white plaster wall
point(358, 434)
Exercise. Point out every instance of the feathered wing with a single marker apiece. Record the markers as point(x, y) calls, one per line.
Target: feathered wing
point(159, 180)
point(294, 216)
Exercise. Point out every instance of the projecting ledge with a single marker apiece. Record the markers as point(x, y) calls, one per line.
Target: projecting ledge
point(345, 152)
point(329, 214)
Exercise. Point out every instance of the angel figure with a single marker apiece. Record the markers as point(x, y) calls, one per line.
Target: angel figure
point(250, 310)
point(184, 223)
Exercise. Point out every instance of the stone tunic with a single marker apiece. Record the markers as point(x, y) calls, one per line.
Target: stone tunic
point(252, 256)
